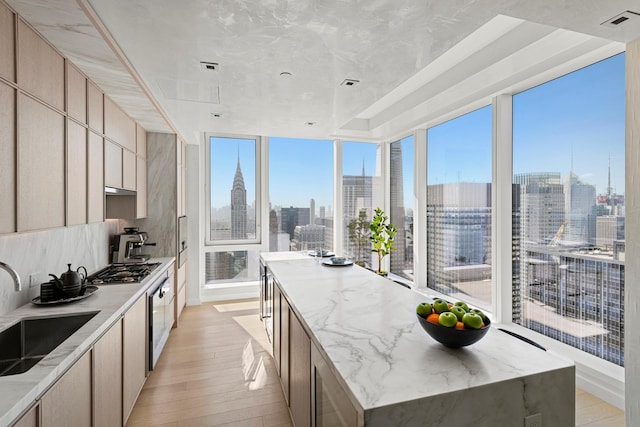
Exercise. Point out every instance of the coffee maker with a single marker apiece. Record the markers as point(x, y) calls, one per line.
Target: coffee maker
point(127, 246)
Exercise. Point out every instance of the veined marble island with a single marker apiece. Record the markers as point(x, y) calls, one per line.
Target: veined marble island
point(350, 351)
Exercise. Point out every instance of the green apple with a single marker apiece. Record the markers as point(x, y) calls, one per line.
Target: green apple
point(464, 305)
point(440, 306)
point(424, 309)
point(479, 313)
point(448, 319)
point(472, 321)
point(458, 311)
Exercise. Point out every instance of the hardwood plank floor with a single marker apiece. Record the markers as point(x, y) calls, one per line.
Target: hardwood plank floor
point(217, 370)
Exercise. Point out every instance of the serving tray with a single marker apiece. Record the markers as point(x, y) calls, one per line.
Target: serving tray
point(90, 290)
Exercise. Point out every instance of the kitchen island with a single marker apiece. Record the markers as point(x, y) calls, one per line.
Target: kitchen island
point(21, 394)
point(351, 338)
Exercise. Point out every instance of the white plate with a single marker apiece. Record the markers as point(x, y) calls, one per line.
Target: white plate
point(331, 263)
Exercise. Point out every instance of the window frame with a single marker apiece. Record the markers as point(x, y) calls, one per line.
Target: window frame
point(233, 243)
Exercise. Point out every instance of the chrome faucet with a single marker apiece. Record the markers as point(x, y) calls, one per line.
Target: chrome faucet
point(14, 275)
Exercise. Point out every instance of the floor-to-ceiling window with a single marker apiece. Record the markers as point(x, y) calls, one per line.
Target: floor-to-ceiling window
point(401, 199)
point(300, 194)
point(459, 207)
point(569, 208)
point(362, 192)
point(232, 210)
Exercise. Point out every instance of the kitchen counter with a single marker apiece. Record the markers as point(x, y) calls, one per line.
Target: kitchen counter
point(19, 392)
point(366, 329)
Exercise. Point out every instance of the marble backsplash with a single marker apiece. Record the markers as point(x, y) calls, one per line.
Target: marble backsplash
point(43, 252)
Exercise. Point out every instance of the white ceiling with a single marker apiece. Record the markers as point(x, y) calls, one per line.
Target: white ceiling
point(417, 60)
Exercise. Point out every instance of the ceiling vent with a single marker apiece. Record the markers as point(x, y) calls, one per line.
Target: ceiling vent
point(216, 115)
point(349, 82)
point(210, 66)
point(310, 123)
point(620, 19)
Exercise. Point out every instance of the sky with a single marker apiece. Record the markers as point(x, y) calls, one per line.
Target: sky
point(575, 122)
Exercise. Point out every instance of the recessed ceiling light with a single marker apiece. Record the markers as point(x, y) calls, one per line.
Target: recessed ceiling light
point(285, 74)
point(310, 123)
point(620, 19)
point(210, 66)
point(216, 115)
point(349, 82)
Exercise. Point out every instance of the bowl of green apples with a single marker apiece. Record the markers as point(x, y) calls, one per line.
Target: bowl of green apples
point(452, 324)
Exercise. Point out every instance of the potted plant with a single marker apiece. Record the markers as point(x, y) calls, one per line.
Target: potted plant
point(382, 236)
point(359, 234)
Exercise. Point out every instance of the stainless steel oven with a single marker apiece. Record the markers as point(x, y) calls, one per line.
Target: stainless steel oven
point(160, 296)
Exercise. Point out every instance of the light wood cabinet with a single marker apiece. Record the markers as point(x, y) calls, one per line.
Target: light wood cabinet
point(299, 373)
point(112, 165)
point(128, 170)
point(285, 314)
point(95, 108)
point(41, 175)
point(182, 178)
point(7, 44)
point(76, 94)
point(8, 158)
point(30, 419)
point(76, 173)
point(95, 181)
point(277, 320)
point(107, 378)
point(181, 293)
point(141, 141)
point(141, 187)
point(118, 126)
point(40, 67)
point(68, 402)
point(134, 350)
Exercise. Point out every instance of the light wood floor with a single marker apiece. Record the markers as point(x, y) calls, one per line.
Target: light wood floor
point(217, 370)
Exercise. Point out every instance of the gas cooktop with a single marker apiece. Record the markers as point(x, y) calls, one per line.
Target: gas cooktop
point(117, 274)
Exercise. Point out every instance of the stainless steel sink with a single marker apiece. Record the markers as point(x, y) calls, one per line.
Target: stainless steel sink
point(25, 343)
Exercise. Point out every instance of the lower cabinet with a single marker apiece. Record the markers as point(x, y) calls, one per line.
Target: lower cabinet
point(107, 378)
point(313, 394)
point(134, 355)
point(30, 419)
point(68, 402)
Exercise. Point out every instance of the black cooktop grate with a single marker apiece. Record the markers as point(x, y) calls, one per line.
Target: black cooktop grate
point(122, 273)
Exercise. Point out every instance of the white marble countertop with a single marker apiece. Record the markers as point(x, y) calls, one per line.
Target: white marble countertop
point(367, 328)
point(19, 392)
point(267, 257)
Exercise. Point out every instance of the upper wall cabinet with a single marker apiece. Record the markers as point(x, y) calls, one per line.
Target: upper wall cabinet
point(118, 126)
point(40, 67)
point(76, 174)
point(95, 107)
point(141, 141)
point(7, 158)
point(7, 44)
point(76, 94)
point(41, 175)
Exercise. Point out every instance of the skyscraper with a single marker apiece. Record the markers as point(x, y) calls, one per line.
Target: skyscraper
point(238, 205)
point(397, 215)
point(579, 199)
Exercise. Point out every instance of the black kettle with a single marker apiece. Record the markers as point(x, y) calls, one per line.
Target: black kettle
point(71, 283)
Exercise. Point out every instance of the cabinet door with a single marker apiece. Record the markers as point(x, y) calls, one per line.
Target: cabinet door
point(76, 173)
point(299, 373)
point(118, 126)
point(107, 378)
point(95, 190)
point(40, 67)
point(76, 94)
point(8, 158)
point(95, 108)
point(128, 170)
point(41, 176)
point(7, 44)
point(112, 165)
point(285, 313)
point(68, 402)
point(141, 141)
point(30, 419)
point(134, 355)
point(276, 325)
point(141, 187)
point(331, 406)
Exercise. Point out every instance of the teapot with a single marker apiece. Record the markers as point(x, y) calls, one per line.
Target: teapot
point(71, 283)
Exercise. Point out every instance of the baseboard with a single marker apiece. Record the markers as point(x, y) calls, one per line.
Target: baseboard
point(600, 385)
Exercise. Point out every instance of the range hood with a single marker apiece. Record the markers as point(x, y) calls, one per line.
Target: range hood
point(112, 191)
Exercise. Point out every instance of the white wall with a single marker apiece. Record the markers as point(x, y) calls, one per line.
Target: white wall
point(632, 233)
point(43, 252)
